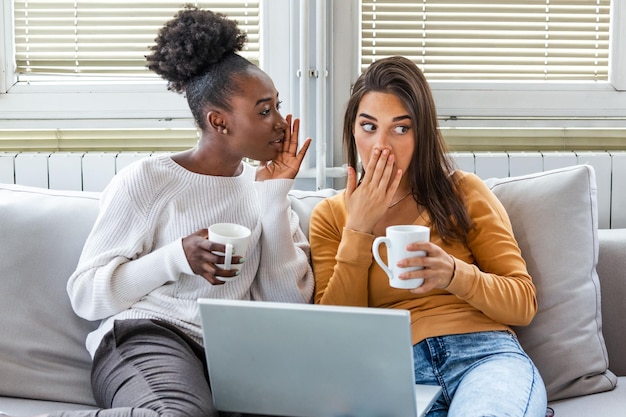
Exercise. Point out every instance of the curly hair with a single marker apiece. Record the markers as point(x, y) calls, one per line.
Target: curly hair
point(196, 53)
point(429, 171)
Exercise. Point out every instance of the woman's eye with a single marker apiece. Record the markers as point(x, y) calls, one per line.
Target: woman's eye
point(401, 129)
point(368, 127)
point(267, 111)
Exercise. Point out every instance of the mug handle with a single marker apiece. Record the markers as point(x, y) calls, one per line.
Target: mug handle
point(228, 254)
point(382, 240)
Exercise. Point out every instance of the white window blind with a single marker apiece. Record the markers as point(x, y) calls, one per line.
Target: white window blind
point(491, 39)
point(106, 38)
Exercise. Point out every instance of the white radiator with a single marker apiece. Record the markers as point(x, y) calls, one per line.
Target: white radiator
point(88, 171)
point(610, 169)
point(91, 171)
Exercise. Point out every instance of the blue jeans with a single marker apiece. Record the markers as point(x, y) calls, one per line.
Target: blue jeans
point(481, 374)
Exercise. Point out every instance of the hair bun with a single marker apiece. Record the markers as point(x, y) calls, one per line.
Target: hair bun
point(190, 43)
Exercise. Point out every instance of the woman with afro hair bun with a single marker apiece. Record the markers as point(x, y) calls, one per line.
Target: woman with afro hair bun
point(148, 258)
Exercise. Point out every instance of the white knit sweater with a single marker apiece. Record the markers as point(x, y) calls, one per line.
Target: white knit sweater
point(133, 264)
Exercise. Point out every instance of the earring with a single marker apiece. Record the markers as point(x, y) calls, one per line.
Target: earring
point(225, 131)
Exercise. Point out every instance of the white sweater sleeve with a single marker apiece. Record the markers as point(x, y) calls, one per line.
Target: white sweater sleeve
point(118, 266)
point(284, 272)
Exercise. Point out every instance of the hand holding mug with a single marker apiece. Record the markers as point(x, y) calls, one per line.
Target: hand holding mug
point(397, 241)
point(216, 261)
point(438, 266)
point(414, 263)
point(235, 239)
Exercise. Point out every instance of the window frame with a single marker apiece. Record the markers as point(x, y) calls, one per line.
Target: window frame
point(99, 105)
point(6, 46)
point(502, 104)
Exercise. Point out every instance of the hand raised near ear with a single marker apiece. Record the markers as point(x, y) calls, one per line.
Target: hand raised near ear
point(288, 161)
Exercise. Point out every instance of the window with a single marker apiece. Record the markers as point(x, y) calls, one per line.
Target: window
point(104, 40)
point(491, 40)
point(495, 93)
point(69, 65)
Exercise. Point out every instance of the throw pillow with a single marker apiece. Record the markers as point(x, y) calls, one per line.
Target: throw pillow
point(303, 203)
point(555, 220)
point(42, 348)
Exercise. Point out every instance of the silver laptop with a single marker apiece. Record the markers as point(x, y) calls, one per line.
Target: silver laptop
point(304, 360)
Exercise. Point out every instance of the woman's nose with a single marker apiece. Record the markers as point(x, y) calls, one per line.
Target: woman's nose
point(281, 124)
point(382, 141)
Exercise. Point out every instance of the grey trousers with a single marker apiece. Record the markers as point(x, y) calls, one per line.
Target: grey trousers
point(148, 368)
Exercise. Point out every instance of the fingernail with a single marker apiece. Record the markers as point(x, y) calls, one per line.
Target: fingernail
point(242, 260)
point(237, 273)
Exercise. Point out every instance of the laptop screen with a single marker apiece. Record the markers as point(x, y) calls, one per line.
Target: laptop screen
point(310, 360)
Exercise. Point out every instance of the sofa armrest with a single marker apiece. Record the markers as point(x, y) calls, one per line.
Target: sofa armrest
point(612, 272)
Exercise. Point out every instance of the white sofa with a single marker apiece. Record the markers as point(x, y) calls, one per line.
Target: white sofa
point(577, 339)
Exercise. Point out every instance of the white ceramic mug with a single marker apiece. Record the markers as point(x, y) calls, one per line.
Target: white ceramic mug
point(235, 238)
point(396, 240)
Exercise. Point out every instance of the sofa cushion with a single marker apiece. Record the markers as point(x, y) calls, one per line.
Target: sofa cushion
point(554, 218)
point(612, 273)
point(42, 343)
point(303, 203)
point(610, 403)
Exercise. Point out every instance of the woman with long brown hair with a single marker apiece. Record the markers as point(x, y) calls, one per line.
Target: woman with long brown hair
point(476, 285)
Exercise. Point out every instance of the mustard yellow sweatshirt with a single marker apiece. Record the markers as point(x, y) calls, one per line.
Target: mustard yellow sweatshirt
point(490, 290)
